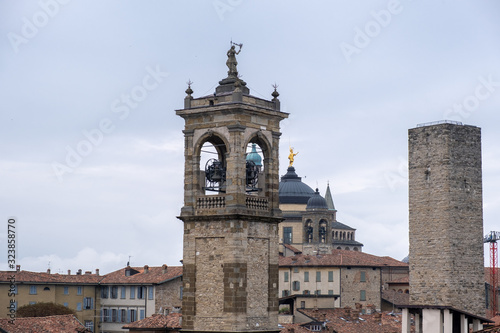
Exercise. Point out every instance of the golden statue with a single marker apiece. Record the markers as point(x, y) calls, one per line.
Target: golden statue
point(291, 156)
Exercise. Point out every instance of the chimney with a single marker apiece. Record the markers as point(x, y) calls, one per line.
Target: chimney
point(146, 269)
point(79, 272)
point(97, 271)
point(48, 270)
point(18, 268)
point(69, 271)
point(347, 313)
point(377, 318)
point(88, 272)
point(164, 268)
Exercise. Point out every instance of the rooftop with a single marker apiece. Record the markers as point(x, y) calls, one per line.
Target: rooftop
point(157, 322)
point(50, 324)
point(341, 258)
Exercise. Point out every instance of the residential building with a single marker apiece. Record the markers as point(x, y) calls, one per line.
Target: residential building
point(134, 293)
point(75, 291)
point(342, 278)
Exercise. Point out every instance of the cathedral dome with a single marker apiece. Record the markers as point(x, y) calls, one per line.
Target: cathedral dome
point(316, 202)
point(292, 190)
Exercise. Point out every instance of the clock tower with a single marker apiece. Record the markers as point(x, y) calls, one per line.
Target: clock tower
point(231, 208)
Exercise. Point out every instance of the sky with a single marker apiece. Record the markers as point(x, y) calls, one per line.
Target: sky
point(91, 151)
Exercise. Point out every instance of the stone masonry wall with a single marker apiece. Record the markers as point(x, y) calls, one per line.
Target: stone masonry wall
point(167, 295)
point(445, 217)
point(352, 285)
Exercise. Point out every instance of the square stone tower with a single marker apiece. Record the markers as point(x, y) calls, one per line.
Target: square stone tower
point(446, 220)
point(231, 210)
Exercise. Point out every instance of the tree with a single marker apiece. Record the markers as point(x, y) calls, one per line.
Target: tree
point(43, 309)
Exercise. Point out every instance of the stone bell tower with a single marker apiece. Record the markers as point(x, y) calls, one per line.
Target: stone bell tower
point(231, 209)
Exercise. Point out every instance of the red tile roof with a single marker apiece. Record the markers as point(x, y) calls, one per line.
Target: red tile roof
point(350, 321)
point(341, 258)
point(47, 278)
point(50, 324)
point(157, 321)
point(143, 275)
point(293, 249)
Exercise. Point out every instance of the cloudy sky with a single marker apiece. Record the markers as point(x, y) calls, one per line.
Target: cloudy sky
point(91, 151)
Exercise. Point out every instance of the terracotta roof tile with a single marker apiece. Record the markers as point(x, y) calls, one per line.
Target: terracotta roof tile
point(341, 258)
point(350, 321)
point(157, 321)
point(140, 275)
point(293, 249)
point(36, 277)
point(50, 324)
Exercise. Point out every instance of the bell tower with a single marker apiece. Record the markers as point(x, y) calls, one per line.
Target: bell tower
point(231, 208)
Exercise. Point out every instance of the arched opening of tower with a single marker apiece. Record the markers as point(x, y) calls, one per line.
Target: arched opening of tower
point(213, 167)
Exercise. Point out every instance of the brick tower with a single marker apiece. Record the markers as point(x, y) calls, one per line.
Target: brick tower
point(446, 221)
point(231, 210)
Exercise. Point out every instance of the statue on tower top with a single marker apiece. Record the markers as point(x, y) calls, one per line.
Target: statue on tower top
point(291, 157)
point(231, 59)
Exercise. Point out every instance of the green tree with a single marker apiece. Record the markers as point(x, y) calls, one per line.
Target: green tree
point(43, 310)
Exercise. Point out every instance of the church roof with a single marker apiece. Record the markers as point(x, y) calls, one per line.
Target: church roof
point(338, 225)
point(292, 190)
point(329, 198)
point(316, 202)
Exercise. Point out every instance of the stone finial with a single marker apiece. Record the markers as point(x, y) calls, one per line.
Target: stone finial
point(188, 98)
point(189, 91)
point(275, 93)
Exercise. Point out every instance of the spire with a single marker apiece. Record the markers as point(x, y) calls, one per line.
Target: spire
point(329, 198)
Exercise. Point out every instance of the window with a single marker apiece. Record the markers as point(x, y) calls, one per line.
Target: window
point(79, 306)
point(287, 235)
point(141, 292)
point(306, 292)
point(302, 304)
point(89, 324)
point(362, 295)
point(31, 303)
point(32, 290)
point(296, 285)
point(114, 292)
point(123, 290)
point(132, 292)
point(46, 289)
point(123, 315)
point(114, 315)
point(362, 277)
point(105, 314)
point(285, 293)
point(66, 290)
point(285, 277)
point(132, 315)
point(330, 276)
point(317, 292)
point(306, 276)
point(330, 292)
point(318, 276)
point(104, 292)
point(88, 303)
point(65, 304)
point(150, 292)
point(295, 269)
point(141, 314)
point(79, 290)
